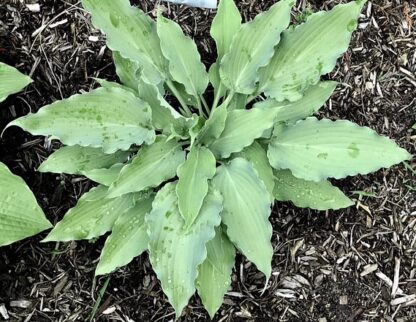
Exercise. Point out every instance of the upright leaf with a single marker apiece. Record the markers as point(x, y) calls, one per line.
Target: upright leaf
point(128, 238)
point(316, 150)
point(104, 176)
point(11, 81)
point(113, 119)
point(257, 156)
point(153, 165)
point(309, 51)
point(214, 274)
point(130, 32)
point(242, 127)
point(313, 99)
point(321, 195)
point(20, 214)
point(213, 127)
point(182, 54)
point(175, 254)
point(246, 211)
point(93, 216)
point(253, 47)
point(225, 25)
point(127, 70)
point(192, 185)
point(77, 159)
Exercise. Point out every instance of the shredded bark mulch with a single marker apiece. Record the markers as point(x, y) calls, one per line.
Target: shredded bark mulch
point(356, 264)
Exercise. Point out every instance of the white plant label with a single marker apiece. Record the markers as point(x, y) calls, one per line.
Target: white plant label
point(209, 4)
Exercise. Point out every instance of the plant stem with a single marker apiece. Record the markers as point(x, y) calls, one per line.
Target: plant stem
point(229, 98)
point(217, 98)
point(178, 95)
point(206, 108)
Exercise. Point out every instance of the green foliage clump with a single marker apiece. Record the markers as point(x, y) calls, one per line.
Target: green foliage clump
point(192, 182)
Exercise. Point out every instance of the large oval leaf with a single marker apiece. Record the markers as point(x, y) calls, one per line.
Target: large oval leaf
point(313, 99)
point(113, 119)
point(11, 81)
point(246, 211)
point(153, 165)
point(77, 159)
point(182, 54)
point(309, 51)
point(320, 195)
point(214, 274)
point(130, 32)
point(176, 253)
point(192, 185)
point(242, 127)
point(253, 47)
point(20, 214)
point(316, 150)
point(93, 216)
point(128, 238)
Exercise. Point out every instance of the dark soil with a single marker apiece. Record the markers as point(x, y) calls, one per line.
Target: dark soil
point(320, 258)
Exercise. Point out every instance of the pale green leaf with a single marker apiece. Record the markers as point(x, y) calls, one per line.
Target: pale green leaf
point(257, 156)
point(176, 253)
point(321, 195)
point(130, 32)
point(313, 99)
point(253, 47)
point(414, 126)
point(185, 64)
point(104, 176)
point(113, 119)
point(153, 165)
point(20, 214)
point(215, 80)
point(11, 81)
point(238, 102)
point(308, 51)
point(242, 127)
point(192, 186)
point(214, 274)
point(127, 70)
point(213, 127)
point(225, 25)
point(77, 159)
point(109, 85)
point(316, 150)
point(246, 211)
point(128, 238)
point(93, 216)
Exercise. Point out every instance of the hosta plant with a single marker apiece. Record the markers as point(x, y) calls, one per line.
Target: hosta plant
point(20, 214)
point(192, 180)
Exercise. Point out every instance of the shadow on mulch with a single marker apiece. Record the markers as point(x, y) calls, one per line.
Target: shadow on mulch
point(333, 266)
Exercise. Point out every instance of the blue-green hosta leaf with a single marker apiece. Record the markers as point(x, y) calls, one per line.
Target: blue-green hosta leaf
point(225, 26)
point(185, 64)
point(313, 99)
point(130, 32)
point(105, 176)
point(253, 47)
point(321, 195)
point(192, 186)
point(242, 127)
point(153, 165)
point(215, 80)
point(113, 119)
point(20, 214)
point(128, 238)
point(176, 253)
point(214, 274)
point(127, 70)
point(257, 156)
point(246, 211)
point(213, 127)
point(238, 102)
point(109, 85)
point(309, 51)
point(164, 116)
point(93, 216)
point(77, 159)
point(316, 150)
point(11, 81)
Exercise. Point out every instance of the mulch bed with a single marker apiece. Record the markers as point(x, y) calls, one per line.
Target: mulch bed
point(349, 265)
